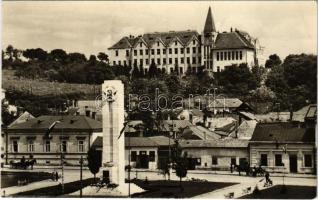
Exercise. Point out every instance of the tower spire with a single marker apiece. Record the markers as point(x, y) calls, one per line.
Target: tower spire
point(209, 26)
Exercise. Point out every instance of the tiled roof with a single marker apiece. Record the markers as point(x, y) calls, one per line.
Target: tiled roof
point(67, 123)
point(154, 141)
point(150, 38)
point(225, 143)
point(232, 40)
point(204, 133)
point(245, 130)
point(283, 132)
point(312, 112)
point(22, 118)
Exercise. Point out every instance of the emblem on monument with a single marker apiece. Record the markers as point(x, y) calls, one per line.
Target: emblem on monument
point(110, 94)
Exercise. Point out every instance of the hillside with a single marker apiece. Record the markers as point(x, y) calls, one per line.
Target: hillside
point(46, 88)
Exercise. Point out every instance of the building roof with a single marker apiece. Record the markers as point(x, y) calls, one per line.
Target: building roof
point(226, 102)
point(154, 141)
point(245, 130)
point(67, 123)
point(22, 118)
point(178, 125)
point(232, 40)
point(184, 37)
point(209, 26)
point(225, 143)
point(312, 112)
point(283, 132)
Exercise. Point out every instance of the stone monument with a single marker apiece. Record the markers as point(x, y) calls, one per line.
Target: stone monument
point(113, 157)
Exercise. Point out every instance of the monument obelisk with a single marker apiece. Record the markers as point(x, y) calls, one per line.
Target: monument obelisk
point(113, 157)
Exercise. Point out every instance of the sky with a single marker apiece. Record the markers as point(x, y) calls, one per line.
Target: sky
point(90, 27)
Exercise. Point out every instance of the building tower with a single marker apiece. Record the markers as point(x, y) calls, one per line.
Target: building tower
point(208, 40)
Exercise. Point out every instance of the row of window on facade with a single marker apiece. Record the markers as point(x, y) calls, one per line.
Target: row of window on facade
point(134, 156)
point(164, 61)
point(307, 160)
point(164, 51)
point(47, 146)
point(227, 55)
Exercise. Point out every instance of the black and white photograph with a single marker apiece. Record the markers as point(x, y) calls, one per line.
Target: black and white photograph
point(159, 99)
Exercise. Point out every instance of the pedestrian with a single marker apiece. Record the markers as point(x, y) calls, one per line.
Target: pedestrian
point(231, 167)
point(56, 176)
point(254, 171)
point(23, 159)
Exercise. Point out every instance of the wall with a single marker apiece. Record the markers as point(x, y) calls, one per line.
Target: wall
point(292, 149)
point(53, 157)
point(224, 156)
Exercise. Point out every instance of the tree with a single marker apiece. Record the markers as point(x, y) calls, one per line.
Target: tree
point(135, 73)
point(9, 52)
point(153, 71)
point(35, 54)
point(58, 55)
point(181, 162)
point(94, 161)
point(103, 57)
point(273, 61)
point(76, 57)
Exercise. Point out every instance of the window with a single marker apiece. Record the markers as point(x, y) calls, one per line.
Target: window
point(182, 60)
point(221, 55)
point(193, 60)
point(218, 68)
point(241, 55)
point(225, 55)
point(81, 147)
point(236, 55)
point(146, 71)
point(158, 44)
point(194, 49)
point(181, 50)
point(147, 51)
point(171, 69)
point(199, 50)
point(214, 160)
point(114, 62)
point(164, 51)
point(164, 61)
point(47, 146)
point(152, 52)
point(141, 52)
point(152, 60)
point(158, 61)
point(125, 63)
point(15, 148)
point(133, 156)
point(198, 161)
point(217, 56)
point(176, 43)
point(170, 60)
point(263, 159)
point(141, 62)
point(170, 51)
point(193, 42)
point(135, 52)
point(147, 61)
point(278, 160)
point(119, 62)
point(63, 147)
point(188, 60)
point(232, 55)
point(176, 61)
point(152, 157)
point(188, 50)
point(181, 70)
point(158, 51)
point(176, 51)
point(135, 61)
point(127, 52)
point(140, 44)
point(229, 55)
point(199, 60)
point(194, 69)
point(116, 52)
point(308, 160)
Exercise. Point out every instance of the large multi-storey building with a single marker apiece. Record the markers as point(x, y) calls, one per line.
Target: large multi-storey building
point(186, 50)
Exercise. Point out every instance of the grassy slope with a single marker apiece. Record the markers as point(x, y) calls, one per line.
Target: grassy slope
point(46, 88)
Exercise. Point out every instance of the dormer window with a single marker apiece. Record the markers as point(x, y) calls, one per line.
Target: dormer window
point(158, 44)
point(140, 44)
point(193, 42)
point(176, 43)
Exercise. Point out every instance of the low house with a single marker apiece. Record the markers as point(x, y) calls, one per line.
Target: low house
point(215, 154)
point(145, 152)
point(283, 147)
point(71, 137)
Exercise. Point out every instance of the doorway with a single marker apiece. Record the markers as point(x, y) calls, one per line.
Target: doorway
point(143, 160)
point(293, 163)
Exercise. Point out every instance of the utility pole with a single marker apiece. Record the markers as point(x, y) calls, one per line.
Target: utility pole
point(81, 176)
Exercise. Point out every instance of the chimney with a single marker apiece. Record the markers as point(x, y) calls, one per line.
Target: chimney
point(93, 115)
point(231, 29)
point(88, 112)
